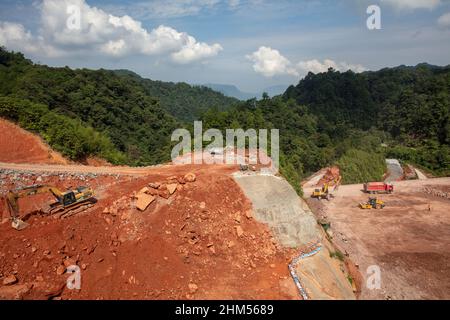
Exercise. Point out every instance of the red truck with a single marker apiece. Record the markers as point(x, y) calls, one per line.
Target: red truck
point(378, 187)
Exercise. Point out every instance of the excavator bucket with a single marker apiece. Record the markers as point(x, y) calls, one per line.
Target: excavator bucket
point(18, 224)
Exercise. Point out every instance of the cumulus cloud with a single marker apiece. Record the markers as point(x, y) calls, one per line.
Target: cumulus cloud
point(270, 62)
point(61, 33)
point(14, 36)
point(193, 51)
point(444, 20)
point(316, 66)
point(413, 4)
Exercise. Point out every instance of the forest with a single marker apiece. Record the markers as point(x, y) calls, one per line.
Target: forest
point(410, 105)
point(353, 120)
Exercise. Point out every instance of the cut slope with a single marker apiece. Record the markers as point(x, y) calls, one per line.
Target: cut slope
point(20, 146)
point(276, 203)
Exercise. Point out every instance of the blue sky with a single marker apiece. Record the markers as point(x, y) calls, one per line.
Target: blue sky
point(252, 44)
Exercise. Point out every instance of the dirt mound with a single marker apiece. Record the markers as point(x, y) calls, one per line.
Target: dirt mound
point(331, 176)
point(19, 146)
point(194, 241)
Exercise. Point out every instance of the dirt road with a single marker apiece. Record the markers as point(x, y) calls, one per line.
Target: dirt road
point(110, 170)
point(136, 171)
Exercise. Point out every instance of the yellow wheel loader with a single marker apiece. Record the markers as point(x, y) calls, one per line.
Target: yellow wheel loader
point(67, 203)
point(372, 203)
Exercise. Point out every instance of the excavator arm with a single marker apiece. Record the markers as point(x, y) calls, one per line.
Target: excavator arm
point(13, 205)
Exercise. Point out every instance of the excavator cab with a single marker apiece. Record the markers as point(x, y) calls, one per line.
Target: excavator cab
point(68, 198)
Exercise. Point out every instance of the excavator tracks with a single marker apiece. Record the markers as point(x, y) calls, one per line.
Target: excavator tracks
point(65, 212)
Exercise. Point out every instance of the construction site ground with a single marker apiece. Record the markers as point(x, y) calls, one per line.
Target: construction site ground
point(218, 235)
point(186, 246)
point(409, 240)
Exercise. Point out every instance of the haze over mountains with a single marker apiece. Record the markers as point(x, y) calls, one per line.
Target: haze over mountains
point(233, 91)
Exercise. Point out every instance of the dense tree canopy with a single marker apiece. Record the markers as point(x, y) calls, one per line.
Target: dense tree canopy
point(139, 115)
point(411, 104)
point(328, 118)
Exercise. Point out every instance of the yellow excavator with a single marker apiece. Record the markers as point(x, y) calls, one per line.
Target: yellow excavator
point(67, 203)
point(324, 193)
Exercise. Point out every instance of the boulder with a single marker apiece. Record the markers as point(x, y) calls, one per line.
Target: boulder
point(9, 280)
point(60, 270)
point(69, 262)
point(143, 190)
point(154, 185)
point(143, 201)
point(172, 187)
point(190, 177)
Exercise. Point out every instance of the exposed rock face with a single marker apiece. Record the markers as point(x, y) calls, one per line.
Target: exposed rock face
point(276, 203)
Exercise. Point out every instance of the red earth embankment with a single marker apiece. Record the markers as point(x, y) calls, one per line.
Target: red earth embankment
point(20, 146)
point(200, 243)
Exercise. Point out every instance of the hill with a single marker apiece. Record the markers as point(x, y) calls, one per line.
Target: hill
point(233, 91)
point(27, 148)
point(74, 108)
point(328, 118)
point(181, 100)
point(411, 105)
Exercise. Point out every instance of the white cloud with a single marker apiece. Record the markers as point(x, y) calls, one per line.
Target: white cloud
point(269, 62)
point(14, 36)
point(100, 32)
point(233, 3)
point(193, 51)
point(413, 4)
point(444, 20)
point(316, 66)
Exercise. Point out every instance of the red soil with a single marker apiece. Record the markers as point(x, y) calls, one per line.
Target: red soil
point(188, 239)
point(20, 146)
point(183, 247)
point(330, 176)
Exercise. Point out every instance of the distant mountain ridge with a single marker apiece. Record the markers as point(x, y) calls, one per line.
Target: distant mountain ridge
point(233, 91)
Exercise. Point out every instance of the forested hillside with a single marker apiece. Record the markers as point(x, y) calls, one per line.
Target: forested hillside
point(410, 104)
point(183, 101)
point(122, 108)
point(304, 146)
point(353, 120)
